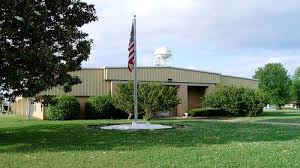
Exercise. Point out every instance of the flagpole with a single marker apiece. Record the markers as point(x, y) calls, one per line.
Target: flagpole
point(135, 74)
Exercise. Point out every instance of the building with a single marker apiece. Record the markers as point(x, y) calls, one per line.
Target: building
point(191, 84)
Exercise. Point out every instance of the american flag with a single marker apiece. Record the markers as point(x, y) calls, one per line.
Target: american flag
point(131, 49)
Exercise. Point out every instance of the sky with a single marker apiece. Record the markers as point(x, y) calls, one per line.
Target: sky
point(232, 37)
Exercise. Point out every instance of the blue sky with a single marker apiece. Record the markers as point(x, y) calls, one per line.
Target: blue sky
point(233, 37)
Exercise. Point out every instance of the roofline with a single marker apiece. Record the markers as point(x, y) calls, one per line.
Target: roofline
point(171, 83)
point(186, 69)
point(119, 67)
point(240, 77)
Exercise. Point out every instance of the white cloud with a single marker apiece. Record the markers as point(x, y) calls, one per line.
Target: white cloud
point(248, 64)
point(258, 30)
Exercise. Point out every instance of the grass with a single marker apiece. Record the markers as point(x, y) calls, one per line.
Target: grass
point(237, 142)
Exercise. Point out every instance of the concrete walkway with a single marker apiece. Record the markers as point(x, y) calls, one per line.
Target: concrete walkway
point(240, 120)
point(279, 123)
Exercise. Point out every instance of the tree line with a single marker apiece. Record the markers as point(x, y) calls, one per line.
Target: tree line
point(278, 85)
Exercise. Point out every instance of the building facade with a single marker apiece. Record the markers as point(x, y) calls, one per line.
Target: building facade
point(192, 85)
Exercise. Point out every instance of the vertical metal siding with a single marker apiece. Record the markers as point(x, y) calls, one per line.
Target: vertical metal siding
point(98, 81)
point(230, 80)
point(93, 84)
point(162, 74)
point(20, 106)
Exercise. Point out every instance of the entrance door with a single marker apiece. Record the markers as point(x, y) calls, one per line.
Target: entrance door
point(195, 95)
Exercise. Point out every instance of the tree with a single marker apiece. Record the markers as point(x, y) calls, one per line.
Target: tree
point(156, 98)
point(123, 99)
point(297, 73)
point(169, 98)
point(152, 98)
point(40, 43)
point(275, 82)
point(295, 88)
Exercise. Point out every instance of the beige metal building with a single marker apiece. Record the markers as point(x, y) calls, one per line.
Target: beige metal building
point(191, 84)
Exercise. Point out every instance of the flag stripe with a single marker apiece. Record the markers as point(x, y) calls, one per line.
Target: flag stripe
point(131, 53)
point(131, 45)
point(131, 49)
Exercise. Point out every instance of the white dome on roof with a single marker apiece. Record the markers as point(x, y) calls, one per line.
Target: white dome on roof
point(162, 56)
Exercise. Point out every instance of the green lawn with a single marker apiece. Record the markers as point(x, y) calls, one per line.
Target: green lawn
point(237, 142)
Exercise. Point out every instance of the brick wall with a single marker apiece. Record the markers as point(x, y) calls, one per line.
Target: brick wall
point(182, 92)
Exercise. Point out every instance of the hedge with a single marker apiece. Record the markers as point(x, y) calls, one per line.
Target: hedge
point(63, 108)
point(238, 101)
point(101, 107)
point(206, 112)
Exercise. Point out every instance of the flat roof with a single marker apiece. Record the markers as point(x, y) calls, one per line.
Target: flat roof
point(185, 69)
point(239, 77)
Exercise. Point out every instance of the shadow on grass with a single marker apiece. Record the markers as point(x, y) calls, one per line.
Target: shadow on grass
point(69, 136)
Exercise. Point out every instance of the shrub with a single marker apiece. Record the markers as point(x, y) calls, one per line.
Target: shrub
point(237, 101)
point(206, 112)
point(63, 108)
point(123, 98)
point(54, 113)
point(153, 98)
point(102, 107)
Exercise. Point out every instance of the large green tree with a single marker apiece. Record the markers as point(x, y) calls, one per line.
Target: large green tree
point(275, 82)
point(40, 43)
point(295, 89)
